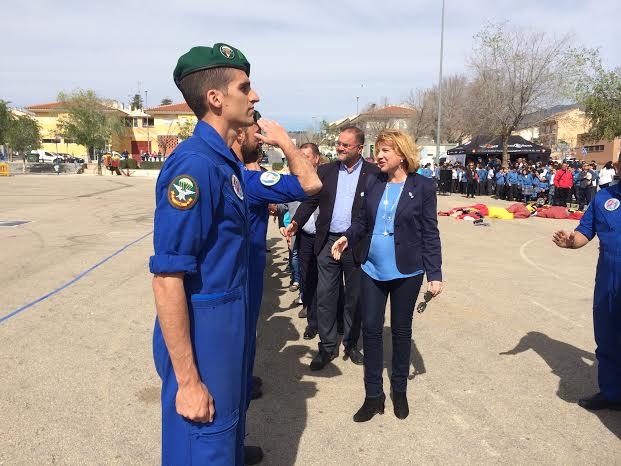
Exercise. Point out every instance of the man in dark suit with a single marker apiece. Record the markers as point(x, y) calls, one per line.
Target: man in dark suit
point(339, 200)
point(471, 180)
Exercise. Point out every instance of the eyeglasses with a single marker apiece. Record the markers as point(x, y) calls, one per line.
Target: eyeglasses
point(345, 146)
point(422, 306)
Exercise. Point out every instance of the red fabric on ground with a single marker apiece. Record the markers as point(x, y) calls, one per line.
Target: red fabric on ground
point(519, 211)
point(482, 208)
point(557, 212)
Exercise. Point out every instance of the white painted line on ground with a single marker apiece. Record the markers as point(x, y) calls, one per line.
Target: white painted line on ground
point(557, 314)
point(532, 263)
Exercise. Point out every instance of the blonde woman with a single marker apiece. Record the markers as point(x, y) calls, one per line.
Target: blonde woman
point(398, 227)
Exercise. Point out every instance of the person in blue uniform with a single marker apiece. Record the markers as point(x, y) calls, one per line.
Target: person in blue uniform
point(264, 188)
point(603, 218)
point(501, 179)
point(512, 185)
point(200, 266)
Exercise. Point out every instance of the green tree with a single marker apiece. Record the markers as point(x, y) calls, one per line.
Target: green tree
point(136, 102)
point(90, 120)
point(23, 135)
point(602, 104)
point(166, 101)
point(5, 120)
point(186, 129)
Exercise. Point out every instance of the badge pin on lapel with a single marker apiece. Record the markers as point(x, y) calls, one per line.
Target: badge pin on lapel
point(362, 194)
point(410, 194)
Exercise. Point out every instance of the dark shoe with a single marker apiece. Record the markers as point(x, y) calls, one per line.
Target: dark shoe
point(597, 402)
point(252, 455)
point(302, 314)
point(257, 392)
point(340, 328)
point(320, 361)
point(355, 356)
point(400, 404)
point(370, 408)
point(256, 380)
point(310, 333)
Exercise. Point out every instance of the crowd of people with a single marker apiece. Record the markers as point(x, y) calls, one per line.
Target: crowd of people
point(556, 183)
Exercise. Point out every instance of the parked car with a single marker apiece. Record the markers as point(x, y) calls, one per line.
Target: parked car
point(72, 159)
point(44, 156)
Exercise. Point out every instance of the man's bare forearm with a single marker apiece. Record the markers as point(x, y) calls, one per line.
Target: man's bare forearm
point(301, 167)
point(172, 313)
point(579, 240)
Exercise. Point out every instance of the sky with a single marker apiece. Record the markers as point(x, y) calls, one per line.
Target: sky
point(310, 59)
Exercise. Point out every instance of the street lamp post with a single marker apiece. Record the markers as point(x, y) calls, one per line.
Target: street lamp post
point(146, 100)
point(357, 99)
point(440, 90)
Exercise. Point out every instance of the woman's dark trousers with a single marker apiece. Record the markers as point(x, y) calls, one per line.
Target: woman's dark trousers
point(374, 294)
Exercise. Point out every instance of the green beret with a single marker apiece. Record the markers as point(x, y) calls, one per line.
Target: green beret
point(204, 58)
point(257, 116)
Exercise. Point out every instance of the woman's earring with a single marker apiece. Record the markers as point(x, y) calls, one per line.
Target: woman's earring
point(401, 160)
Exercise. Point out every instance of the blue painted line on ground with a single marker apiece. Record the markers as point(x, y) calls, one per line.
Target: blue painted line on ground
point(82, 275)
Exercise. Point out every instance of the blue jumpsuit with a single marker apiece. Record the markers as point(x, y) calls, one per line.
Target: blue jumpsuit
point(201, 229)
point(259, 195)
point(603, 217)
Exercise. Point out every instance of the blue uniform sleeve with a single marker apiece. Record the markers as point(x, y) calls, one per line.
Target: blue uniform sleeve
point(183, 214)
point(587, 223)
point(286, 189)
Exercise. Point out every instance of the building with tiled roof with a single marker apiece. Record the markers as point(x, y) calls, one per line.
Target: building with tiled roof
point(176, 109)
point(153, 130)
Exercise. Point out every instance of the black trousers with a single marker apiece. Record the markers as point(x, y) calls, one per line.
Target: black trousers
point(512, 192)
point(470, 188)
point(562, 196)
point(308, 276)
point(582, 195)
point(403, 293)
point(330, 275)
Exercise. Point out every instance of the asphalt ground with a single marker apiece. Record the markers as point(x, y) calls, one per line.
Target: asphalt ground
point(78, 383)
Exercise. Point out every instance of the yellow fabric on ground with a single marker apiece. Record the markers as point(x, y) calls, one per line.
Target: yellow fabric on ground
point(499, 212)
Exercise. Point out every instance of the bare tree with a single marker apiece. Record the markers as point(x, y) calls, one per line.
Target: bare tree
point(421, 123)
point(454, 127)
point(454, 124)
point(516, 72)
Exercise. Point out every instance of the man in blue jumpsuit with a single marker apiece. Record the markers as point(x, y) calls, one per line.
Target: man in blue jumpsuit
point(200, 266)
point(603, 218)
point(263, 188)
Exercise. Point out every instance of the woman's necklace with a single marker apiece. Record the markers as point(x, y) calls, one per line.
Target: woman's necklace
point(388, 211)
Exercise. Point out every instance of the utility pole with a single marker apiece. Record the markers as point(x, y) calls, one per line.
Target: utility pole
point(357, 99)
point(440, 90)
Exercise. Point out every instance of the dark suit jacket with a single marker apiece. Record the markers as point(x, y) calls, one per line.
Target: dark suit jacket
point(329, 175)
point(417, 239)
point(470, 175)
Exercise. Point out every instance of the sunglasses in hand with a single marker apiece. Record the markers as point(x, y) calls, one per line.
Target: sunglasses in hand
point(423, 305)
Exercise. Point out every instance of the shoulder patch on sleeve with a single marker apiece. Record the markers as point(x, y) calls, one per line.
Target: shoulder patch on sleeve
point(182, 192)
point(270, 178)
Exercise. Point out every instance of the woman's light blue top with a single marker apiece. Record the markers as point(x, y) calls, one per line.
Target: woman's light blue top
point(381, 263)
